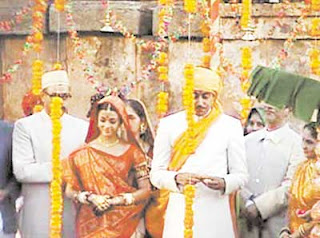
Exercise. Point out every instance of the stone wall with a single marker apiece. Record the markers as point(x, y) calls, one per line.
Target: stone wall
point(118, 60)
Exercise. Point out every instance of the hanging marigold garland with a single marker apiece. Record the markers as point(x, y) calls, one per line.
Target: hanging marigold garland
point(38, 15)
point(188, 103)
point(36, 41)
point(315, 27)
point(315, 5)
point(246, 64)
point(37, 71)
point(245, 14)
point(189, 193)
point(206, 45)
point(55, 186)
point(163, 96)
point(190, 6)
point(314, 61)
point(59, 5)
point(165, 16)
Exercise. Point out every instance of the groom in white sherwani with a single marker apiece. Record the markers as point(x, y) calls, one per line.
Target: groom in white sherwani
point(32, 153)
point(216, 168)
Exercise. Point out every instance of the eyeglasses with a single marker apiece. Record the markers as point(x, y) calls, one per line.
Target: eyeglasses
point(63, 96)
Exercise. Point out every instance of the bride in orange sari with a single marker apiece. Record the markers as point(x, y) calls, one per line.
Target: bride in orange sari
point(108, 176)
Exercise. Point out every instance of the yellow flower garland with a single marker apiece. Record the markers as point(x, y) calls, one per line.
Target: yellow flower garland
point(188, 102)
point(246, 64)
point(189, 193)
point(206, 44)
point(190, 6)
point(37, 71)
point(37, 108)
point(245, 14)
point(162, 103)
point(315, 5)
point(57, 66)
point(314, 61)
point(315, 27)
point(163, 97)
point(55, 186)
point(59, 5)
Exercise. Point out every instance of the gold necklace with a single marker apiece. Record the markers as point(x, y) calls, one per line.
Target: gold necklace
point(108, 144)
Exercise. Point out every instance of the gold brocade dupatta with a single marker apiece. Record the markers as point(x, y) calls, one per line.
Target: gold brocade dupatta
point(178, 159)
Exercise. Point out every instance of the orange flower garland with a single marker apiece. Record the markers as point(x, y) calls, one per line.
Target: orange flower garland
point(246, 64)
point(36, 39)
point(55, 186)
point(189, 193)
point(245, 14)
point(59, 5)
point(38, 12)
point(163, 97)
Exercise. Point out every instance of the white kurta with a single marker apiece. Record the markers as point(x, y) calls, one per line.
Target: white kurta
point(272, 160)
point(221, 150)
point(32, 150)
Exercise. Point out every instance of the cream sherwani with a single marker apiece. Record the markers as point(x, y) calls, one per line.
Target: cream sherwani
point(32, 148)
point(272, 160)
point(221, 150)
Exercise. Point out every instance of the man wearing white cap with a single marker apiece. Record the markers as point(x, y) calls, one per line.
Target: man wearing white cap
point(216, 167)
point(32, 153)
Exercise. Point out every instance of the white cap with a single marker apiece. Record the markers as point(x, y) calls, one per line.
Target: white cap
point(56, 77)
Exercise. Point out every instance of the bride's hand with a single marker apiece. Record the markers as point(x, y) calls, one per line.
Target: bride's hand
point(100, 203)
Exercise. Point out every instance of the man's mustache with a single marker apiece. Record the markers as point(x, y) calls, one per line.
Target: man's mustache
point(200, 108)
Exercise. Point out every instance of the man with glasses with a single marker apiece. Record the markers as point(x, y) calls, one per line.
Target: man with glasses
point(32, 153)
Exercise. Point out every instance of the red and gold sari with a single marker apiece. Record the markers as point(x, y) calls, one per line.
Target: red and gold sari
point(94, 170)
point(89, 169)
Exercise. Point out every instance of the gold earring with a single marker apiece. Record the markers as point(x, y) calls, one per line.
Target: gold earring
point(142, 128)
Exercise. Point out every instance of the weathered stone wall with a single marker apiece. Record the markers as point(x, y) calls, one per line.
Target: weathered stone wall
point(118, 60)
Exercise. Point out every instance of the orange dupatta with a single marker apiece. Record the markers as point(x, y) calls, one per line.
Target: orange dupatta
point(178, 159)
